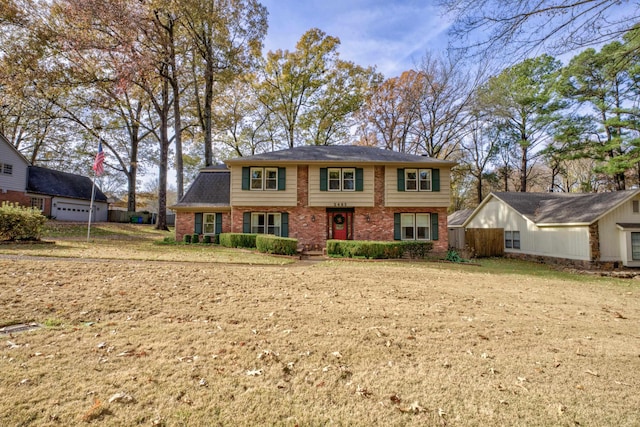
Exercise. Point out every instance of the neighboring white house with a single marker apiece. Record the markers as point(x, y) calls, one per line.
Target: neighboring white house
point(593, 228)
point(60, 195)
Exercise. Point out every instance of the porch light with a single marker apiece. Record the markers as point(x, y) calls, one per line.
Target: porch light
point(313, 218)
point(368, 218)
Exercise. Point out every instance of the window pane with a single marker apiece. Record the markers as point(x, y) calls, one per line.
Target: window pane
point(635, 246)
point(423, 222)
point(407, 222)
point(411, 179)
point(516, 240)
point(8, 169)
point(257, 223)
point(271, 179)
point(507, 239)
point(425, 179)
point(209, 223)
point(256, 178)
point(348, 179)
point(334, 179)
point(273, 223)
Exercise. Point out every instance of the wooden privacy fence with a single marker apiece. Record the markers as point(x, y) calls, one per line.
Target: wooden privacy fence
point(485, 242)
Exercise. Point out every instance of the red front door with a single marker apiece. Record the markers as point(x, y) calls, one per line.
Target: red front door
point(340, 225)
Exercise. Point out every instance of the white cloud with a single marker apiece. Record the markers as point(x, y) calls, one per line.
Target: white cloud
point(392, 35)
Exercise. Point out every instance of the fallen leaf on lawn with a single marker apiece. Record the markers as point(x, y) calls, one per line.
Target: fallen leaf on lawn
point(414, 408)
point(395, 399)
point(24, 381)
point(254, 372)
point(561, 409)
point(590, 372)
point(12, 345)
point(336, 354)
point(121, 397)
point(203, 382)
point(441, 412)
point(361, 391)
point(618, 315)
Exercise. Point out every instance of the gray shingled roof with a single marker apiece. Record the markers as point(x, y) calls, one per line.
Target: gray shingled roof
point(337, 154)
point(63, 184)
point(564, 208)
point(457, 218)
point(210, 188)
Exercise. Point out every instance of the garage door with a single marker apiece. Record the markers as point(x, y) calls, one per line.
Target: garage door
point(65, 211)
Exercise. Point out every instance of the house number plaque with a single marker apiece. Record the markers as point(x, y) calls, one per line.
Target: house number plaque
point(340, 204)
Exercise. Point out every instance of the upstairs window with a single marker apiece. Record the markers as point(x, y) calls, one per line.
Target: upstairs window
point(7, 169)
point(259, 178)
point(342, 179)
point(417, 180)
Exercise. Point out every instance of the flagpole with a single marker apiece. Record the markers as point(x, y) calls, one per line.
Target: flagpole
point(93, 193)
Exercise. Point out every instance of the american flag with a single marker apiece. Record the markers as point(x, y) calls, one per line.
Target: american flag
point(98, 163)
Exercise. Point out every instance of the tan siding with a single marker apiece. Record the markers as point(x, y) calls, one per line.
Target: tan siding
point(240, 197)
point(610, 235)
point(395, 198)
point(562, 242)
point(340, 198)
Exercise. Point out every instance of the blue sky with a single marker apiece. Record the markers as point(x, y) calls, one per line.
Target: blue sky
point(392, 35)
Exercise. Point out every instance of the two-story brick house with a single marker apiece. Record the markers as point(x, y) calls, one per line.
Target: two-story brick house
point(315, 193)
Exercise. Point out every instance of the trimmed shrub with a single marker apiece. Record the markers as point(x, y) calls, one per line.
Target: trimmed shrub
point(378, 250)
point(20, 223)
point(238, 240)
point(276, 245)
point(206, 239)
point(186, 238)
point(195, 238)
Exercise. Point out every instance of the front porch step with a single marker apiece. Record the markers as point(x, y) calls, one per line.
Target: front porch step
point(312, 255)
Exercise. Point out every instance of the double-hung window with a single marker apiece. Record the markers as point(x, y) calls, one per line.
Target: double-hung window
point(264, 178)
point(266, 223)
point(209, 223)
point(511, 239)
point(341, 179)
point(6, 169)
point(417, 180)
point(635, 246)
point(415, 226)
point(38, 203)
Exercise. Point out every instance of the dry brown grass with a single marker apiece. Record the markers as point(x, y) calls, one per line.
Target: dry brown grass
point(338, 343)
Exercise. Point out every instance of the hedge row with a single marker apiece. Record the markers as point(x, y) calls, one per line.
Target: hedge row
point(20, 223)
point(379, 250)
point(238, 240)
point(276, 245)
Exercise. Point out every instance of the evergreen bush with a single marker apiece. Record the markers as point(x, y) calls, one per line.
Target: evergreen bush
point(238, 240)
point(379, 250)
point(20, 223)
point(268, 243)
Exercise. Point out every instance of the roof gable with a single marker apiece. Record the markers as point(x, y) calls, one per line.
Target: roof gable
point(4, 140)
point(211, 188)
point(62, 184)
point(562, 208)
point(338, 154)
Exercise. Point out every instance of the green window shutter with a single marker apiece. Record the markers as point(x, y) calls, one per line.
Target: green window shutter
point(400, 179)
point(396, 227)
point(246, 222)
point(198, 224)
point(246, 174)
point(282, 179)
point(434, 226)
point(359, 179)
point(323, 179)
point(218, 229)
point(284, 223)
point(435, 179)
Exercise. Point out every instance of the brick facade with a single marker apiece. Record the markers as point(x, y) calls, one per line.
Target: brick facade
point(23, 199)
point(186, 221)
point(311, 225)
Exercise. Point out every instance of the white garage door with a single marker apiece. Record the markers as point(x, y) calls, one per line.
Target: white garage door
point(66, 211)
